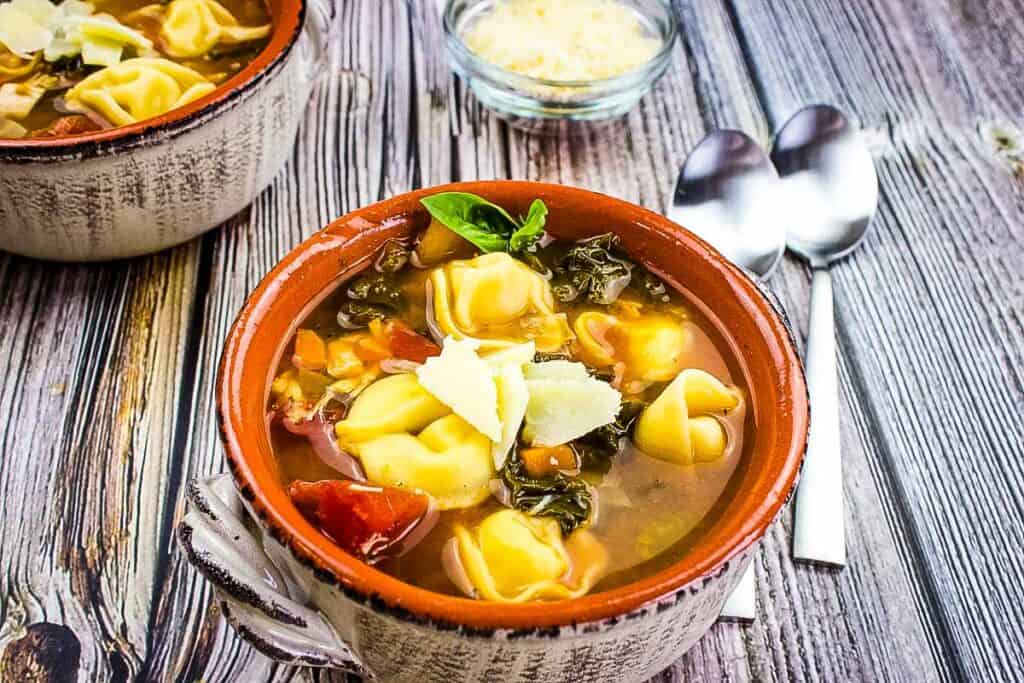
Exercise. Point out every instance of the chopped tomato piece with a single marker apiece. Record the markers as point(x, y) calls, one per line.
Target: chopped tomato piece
point(310, 351)
point(542, 461)
point(406, 343)
point(370, 522)
point(67, 125)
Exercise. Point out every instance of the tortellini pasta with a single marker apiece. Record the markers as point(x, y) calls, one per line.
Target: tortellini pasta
point(191, 28)
point(679, 425)
point(498, 300)
point(651, 347)
point(138, 89)
point(513, 557)
point(404, 437)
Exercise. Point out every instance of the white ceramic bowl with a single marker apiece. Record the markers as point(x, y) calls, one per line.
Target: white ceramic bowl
point(300, 598)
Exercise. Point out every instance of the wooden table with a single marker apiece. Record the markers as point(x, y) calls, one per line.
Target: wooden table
point(106, 372)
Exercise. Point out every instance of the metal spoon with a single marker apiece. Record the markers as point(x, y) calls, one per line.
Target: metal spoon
point(727, 193)
point(829, 180)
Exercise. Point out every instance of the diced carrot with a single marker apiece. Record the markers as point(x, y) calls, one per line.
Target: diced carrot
point(543, 461)
point(310, 351)
point(372, 349)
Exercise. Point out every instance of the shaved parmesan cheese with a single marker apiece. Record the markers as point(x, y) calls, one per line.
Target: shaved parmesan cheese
point(520, 355)
point(557, 369)
point(463, 382)
point(41, 11)
point(563, 406)
point(562, 40)
point(61, 48)
point(76, 8)
point(21, 33)
point(513, 397)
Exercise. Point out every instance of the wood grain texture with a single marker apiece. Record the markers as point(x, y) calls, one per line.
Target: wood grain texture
point(106, 373)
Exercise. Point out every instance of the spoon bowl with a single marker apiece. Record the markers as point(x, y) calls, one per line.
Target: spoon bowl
point(829, 179)
point(727, 193)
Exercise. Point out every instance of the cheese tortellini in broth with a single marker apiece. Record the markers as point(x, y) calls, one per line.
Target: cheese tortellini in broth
point(191, 28)
point(404, 437)
point(651, 347)
point(498, 300)
point(679, 425)
point(138, 89)
point(513, 557)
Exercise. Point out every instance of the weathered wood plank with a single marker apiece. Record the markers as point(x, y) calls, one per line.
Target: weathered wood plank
point(930, 312)
point(90, 361)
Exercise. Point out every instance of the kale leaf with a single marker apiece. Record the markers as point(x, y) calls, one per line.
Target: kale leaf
point(596, 449)
point(353, 315)
point(376, 288)
point(566, 499)
point(595, 268)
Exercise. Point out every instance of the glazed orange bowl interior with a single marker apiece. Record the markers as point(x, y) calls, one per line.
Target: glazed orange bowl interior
point(753, 331)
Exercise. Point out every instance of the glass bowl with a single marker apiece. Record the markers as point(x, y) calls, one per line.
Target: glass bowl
point(517, 96)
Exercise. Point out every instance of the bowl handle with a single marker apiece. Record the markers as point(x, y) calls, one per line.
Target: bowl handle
point(255, 594)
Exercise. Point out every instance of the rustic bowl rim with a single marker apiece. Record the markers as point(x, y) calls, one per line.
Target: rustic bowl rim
point(245, 442)
point(287, 26)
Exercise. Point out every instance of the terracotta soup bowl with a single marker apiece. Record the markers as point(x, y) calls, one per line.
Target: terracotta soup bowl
point(299, 598)
point(156, 183)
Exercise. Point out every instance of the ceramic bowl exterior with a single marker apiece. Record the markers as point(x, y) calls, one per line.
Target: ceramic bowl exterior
point(141, 188)
point(299, 598)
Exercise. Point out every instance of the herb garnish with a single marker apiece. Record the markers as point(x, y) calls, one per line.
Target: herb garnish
point(487, 225)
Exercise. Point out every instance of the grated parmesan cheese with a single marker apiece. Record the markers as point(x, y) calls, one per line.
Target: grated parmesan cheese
point(562, 40)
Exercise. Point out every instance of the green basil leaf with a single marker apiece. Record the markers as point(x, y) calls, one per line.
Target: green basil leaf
point(531, 229)
point(486, 225)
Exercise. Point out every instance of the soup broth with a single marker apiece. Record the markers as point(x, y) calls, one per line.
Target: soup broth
point(637, 339)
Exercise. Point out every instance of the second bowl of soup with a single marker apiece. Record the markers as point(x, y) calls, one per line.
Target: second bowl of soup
point(127, 126)
point(522, 427)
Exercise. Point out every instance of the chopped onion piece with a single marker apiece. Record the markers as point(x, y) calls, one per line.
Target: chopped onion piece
point(395, 366)
point(453, 568)
point(320, 433)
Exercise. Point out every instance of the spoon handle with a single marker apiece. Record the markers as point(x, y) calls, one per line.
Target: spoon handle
point(818, 530)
